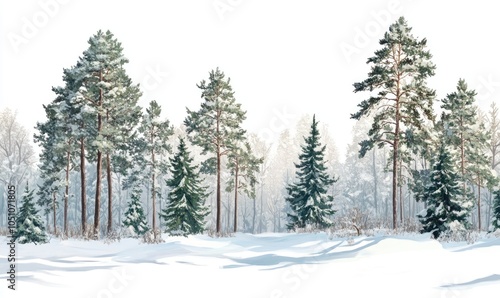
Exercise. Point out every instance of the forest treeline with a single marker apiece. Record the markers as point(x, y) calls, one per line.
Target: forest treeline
point(108, 166)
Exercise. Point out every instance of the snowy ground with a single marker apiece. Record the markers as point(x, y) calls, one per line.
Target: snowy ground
point(268, 265)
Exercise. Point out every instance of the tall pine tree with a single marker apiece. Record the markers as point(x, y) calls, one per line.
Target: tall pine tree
point(216, 127)
point(185, 211)
point(29, 225)
point(154, 136)
point(308, 199)
point(112, 98)
point(402, 101)
point(469, 137)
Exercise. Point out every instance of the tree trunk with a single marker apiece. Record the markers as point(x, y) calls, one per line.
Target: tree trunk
point(110, 193)
point(83, 184)
point(395, 171)
point(54, 211)
point(97, 194)
point(66, 194)
point(99, 168)
point(218, 153)
point(375, 184)
point(153, 192)
point(236, 198)
point(401, 201)
point(119, 200)
point(479, 204)
point(254, 215)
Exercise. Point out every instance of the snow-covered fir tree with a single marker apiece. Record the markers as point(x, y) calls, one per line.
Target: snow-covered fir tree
point(447, 207)
point(308, 199)
point(185, 212)
point(495, 221)
point(29, 225)
point(135, 220)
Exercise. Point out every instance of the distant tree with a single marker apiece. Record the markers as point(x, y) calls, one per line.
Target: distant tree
point(135, 220)
point(308, 198)
point(243, 167)
point(17, 156)
point(29, 225)
point(447, 207)
point(185, 211)
point(216, 127)
point(403, 101)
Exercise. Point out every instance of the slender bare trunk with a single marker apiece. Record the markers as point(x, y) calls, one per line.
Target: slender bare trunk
point(236, 199)
point(479, 204)
point(218, 153)
point(83, 184)
point(395, 170)
point(66, 194)
point(110, 193)
point(99, 167)
point(54, 211)
point(153, 192)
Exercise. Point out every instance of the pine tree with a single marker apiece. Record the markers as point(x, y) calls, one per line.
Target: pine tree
point(153, 139)
point(135, 220)
point(468, 135)
point(30, 227)
point(402, 102)
point(447, 207)
point(495, 222)
point(308, 197)
point(112, 98)
point(185, 212)
point(216, 127)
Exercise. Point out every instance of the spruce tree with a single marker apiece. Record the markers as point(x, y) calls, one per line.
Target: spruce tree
point(401, 103)
point(185, 212)
point(29, 225)
point(495, 222)
point(447, 207)
point(216, 127)
point(135, 220)
point(308, 199)
point(52, 163)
